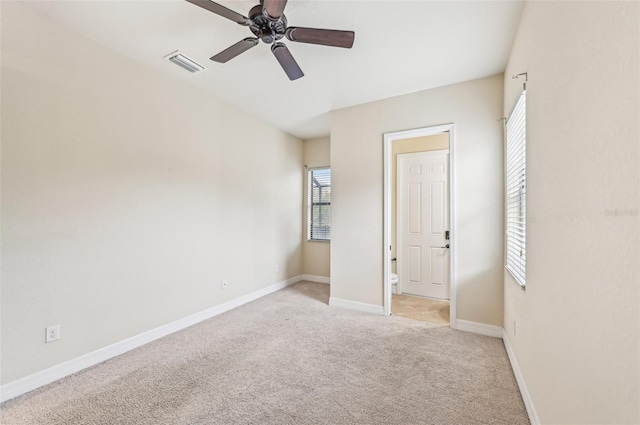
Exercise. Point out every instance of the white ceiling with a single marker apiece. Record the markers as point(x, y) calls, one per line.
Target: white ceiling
point(400, 47)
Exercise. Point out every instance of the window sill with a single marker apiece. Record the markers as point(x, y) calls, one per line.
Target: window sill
point(319, 240)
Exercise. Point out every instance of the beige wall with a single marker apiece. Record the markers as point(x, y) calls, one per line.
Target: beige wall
point(578, 323)
point(357, 167)
point(414, 144)
point(315, 254)
point(127, 197)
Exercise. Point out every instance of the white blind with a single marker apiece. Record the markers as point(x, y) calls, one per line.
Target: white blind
point(319, 205)
point(516, 197)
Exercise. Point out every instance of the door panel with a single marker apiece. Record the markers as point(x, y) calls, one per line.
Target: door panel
point(415, 171)
point(414, 265)
point(438, 267)
point(437, 208)
point(423, 219)
point(415, 208)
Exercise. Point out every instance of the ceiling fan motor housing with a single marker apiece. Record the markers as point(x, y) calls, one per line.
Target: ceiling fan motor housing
point(266, 29)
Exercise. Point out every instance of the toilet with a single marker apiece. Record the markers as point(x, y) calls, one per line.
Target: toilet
point(394, 283)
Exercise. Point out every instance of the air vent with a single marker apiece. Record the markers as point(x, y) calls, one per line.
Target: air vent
point(184, 62)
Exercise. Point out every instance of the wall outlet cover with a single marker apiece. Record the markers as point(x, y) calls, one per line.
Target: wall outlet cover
point(52, 333)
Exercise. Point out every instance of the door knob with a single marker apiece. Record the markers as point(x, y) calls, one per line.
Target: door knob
point(446, 246)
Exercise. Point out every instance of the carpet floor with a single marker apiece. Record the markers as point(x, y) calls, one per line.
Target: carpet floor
point(289, 358)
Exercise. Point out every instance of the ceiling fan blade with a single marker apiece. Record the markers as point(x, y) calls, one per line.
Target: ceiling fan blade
point(324, 37)
point(274, 8)
point(231, 52)
point(218, 9)
point(288, 63)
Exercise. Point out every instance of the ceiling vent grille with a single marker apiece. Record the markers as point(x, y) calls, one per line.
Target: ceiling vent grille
point(184, 62)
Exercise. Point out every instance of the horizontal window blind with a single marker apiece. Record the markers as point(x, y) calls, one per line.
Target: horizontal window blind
point(319, 205)
point(516, 196)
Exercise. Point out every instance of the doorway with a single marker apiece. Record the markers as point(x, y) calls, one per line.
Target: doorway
point(424, 240)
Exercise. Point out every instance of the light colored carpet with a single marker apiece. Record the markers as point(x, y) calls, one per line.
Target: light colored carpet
point(418, 308)
point(289, 358)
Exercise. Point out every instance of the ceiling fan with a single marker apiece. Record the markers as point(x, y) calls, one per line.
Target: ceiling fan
point(268, 23)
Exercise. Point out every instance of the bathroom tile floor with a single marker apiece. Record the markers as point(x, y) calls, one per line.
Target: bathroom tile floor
point(422, 309)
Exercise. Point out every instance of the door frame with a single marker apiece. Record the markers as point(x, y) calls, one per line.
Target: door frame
point(399, 182)
point(389, 138)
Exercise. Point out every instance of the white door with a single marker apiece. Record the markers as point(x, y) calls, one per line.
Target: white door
point(423, 223)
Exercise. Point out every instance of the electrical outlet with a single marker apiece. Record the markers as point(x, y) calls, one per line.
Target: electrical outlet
point(225, 284)
point(52, 334)
point(276, 269)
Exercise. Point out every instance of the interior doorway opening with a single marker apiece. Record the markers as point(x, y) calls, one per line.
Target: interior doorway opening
point(419, 246)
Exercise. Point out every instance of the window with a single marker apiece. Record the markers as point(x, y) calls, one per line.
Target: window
point(319, 205)
point(516, 196)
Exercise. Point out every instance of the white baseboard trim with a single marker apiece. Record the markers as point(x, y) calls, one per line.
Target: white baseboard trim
point(355, 305)
point(479, 328)
point(51, 374)
point(314, 278)
point(524, 392)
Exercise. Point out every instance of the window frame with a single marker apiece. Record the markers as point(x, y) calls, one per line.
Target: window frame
point(515, 191)
point(311, 204)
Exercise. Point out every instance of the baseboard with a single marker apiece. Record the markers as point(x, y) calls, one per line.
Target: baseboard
point(524, 392)
point(479, 328)
point(355, 305)
point(314, 278)
point(51, 374)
